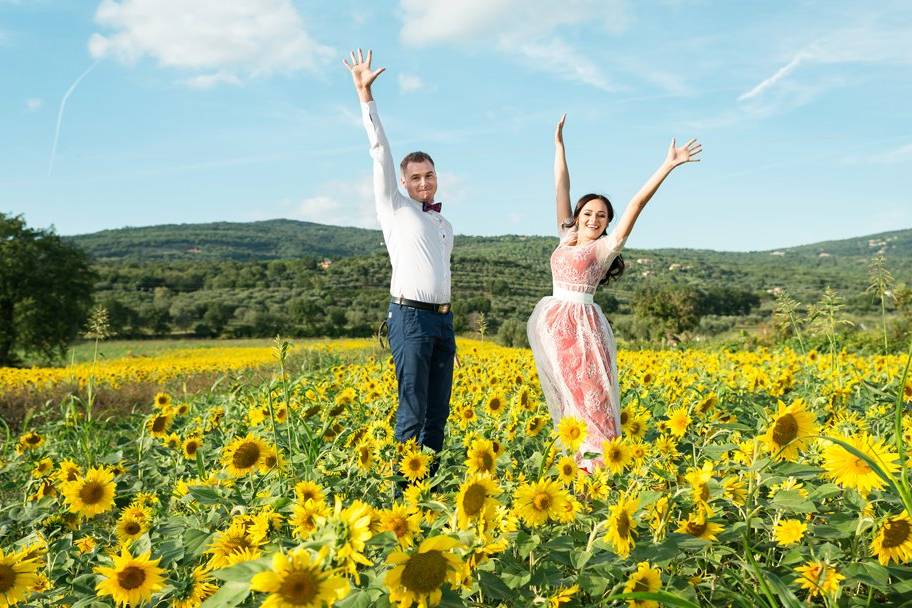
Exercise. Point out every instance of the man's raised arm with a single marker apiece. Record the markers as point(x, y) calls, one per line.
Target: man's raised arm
point(386, 192)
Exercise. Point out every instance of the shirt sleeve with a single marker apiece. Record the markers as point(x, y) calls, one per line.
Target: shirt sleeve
point(387, 197)
point(609, 247)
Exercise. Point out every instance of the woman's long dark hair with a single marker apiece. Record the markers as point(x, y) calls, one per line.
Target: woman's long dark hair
point(617, 266)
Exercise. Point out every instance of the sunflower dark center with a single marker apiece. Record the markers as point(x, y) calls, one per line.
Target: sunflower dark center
point(91, 492)
point(247, 455)
point(495, 404)
point(424, 572)
point(132, 528)
point(704, 492)
point(487, 461)
point(785, 430)
point(623, 524)
point(642, 584)
point(696, 528)
point(896, 533)
point(542, 501)
point(624, 417)
point(567, 470)
point(192, 447)
point(299, 588)
point(474, 498)
point(131, 578)
point(7, 578)
point(414, 464)
point(399, 526)
point(615, 455)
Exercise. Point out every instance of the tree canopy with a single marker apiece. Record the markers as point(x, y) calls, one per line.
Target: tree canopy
point(45, 291)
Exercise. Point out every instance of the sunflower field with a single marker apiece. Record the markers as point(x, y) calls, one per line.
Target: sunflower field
point(766, 478)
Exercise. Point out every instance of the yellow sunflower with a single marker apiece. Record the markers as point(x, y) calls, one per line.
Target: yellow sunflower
point(818, 578)
point(415, 465)
point(29, 441)
point(191, 446)
point(237, 539)
point(244, 455)
point(790, 431)
point(162, 401)
point(481, 457)
point(789, 531)
point(403, 521)
point(296, 580)
point(158, 423)
point(849, 471)
point(678, 421)
point(646, 579)
point(18, 577)
point(129, 529)
point(540, 501)
point(419, 577)
point(894, 540)
point(622, 524)
point(534, 425)
point(131, 580)
point(201, 589)
point(572, 432)
point(496, 405)
point(476, 500)
point(352, 526)
point(308, 490)
point(305, 515)
point(616, 455)
point(90, 495)
point(567, 470)
point(697, 526)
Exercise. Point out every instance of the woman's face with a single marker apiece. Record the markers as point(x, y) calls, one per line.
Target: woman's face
point(592, 220)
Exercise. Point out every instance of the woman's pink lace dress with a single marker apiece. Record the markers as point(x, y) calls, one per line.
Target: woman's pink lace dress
point(572, 342)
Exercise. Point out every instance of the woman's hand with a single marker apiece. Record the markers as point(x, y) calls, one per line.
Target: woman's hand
point(685, 154)
point(559, 131)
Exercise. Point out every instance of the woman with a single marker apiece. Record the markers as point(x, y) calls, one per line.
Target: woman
point(572, 342)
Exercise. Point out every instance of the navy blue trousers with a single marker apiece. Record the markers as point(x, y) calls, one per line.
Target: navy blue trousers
point(423, 346)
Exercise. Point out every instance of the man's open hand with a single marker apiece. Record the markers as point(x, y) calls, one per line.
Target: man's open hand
point(362, 75)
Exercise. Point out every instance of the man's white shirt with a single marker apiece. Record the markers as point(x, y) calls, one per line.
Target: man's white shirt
point(419, 242)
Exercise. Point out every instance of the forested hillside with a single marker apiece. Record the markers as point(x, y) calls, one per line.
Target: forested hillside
point(300, 278)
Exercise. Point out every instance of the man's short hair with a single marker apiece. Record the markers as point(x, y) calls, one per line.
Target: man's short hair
point(415, 157)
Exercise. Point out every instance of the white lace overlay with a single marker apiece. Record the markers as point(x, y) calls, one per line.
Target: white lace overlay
point(574, 348)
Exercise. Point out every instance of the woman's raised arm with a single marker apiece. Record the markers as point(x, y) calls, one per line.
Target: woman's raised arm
point(561, 176)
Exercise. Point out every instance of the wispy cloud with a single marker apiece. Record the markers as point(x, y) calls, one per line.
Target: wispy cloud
point(337, 202)
point(525, 29)
point(222, 42)
point(409, 83)
point(33, 104)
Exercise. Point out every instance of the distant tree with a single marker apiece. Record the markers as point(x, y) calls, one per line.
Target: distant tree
point(45, 291)
point(513, 333)
point(672, 309)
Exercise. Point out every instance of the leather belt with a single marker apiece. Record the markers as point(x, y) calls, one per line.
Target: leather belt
point(438, 308)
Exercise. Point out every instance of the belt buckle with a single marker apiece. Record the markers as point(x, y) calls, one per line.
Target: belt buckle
point(443, 309)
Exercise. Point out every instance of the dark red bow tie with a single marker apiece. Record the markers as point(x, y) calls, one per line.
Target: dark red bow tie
point(431, 207)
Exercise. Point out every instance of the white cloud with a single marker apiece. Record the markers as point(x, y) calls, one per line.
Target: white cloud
point(339, 202)
point(526, 29)
point(225, 42)
point(869, 43)
point(902, 154)
point(438, 21)
point(409, 83)
point(207, 81)
point(33, 104)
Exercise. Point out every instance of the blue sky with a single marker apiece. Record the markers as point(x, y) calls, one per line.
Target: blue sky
point(198, 111)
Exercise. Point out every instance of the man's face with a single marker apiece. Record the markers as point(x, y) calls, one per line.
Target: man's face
point(420, 181)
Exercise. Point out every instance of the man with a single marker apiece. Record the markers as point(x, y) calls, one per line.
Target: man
point(419, 241)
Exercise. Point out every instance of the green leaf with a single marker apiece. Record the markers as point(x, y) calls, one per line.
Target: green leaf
point(825, 491)
point(792, 500)
point(244, 571)
point(196, 541)
point(663, 597)
point(493, 587)
point(205, 495)
point(869, 573)
point(785, 594)
point(800, 471)
point(231, 594)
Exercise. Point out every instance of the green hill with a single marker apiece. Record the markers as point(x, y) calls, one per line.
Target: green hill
point(301, 278)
